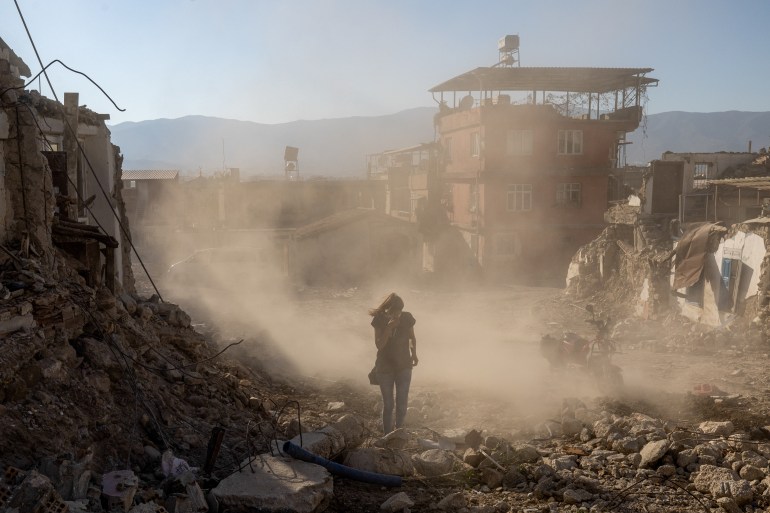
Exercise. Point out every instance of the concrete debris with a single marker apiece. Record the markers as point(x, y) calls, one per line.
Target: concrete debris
point(29, 491)
point(119, 488)
point(381, 461)
point(276, 485)
point(434, 462)
point(717, 428)
point(397, 502)
point(345, 434)
point(396, 439)
point(452, 502)
point(652, 452)
point(335, 406)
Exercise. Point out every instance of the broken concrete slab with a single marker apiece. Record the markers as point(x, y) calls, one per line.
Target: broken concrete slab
point(722, 482)
point(276, 485)
point(652, 452)
point(382, 461)
point(717, 428)
point(347, 433)
point(433, 462)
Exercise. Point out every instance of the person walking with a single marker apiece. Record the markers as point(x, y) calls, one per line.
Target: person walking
point(396, 356)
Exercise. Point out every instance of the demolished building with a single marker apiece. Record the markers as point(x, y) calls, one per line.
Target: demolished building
point(691, 242)
point(94, 379)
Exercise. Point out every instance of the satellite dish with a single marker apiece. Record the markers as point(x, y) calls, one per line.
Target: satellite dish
point(467, 102)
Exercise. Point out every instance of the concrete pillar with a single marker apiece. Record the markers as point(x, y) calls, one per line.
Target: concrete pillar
point(70, 143)
point(4, 200)
point(101, 155)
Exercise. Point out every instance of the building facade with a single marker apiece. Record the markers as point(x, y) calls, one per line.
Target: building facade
point(526, 180)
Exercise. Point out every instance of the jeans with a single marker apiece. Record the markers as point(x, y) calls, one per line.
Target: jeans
point(400, 380)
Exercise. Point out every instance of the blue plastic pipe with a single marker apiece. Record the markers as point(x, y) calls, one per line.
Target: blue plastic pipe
point(297, 452)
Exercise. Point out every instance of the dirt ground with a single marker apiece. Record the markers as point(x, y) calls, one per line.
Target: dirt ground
point(480, 366)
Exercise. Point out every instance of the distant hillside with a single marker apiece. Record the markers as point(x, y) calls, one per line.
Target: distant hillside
point(338, 147)
point(694, 132)
point(327, 147)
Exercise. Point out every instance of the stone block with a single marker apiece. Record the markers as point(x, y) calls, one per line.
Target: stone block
point(276, 485)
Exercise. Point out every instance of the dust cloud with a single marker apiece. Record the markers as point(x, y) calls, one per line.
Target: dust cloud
point(481, 342)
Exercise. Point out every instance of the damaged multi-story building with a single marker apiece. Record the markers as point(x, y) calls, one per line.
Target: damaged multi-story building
point(523, 160)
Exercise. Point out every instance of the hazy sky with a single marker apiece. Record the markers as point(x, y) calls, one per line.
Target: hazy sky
point(274, 61)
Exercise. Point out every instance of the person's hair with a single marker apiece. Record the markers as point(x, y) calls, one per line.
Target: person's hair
point(391, 302)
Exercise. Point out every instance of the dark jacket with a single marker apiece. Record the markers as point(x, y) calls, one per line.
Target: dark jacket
point(395, 356)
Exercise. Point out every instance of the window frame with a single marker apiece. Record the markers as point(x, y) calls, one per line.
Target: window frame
point(699, 181)
point(564, 192)
point(516, 193)
point(524, 143)
point(475, 144)
point(566, 142)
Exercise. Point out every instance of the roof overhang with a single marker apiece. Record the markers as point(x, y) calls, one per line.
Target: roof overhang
point(573, 80)
point(757, 183)
point(150, 174)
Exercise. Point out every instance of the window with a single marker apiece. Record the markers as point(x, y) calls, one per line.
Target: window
point(475, 144)
point(700, 175)
point(519, 142)
point(132, 184)
point(448, 149)
point(473, 202)
point(519, 197)
point(570, 142)
point(568, 194)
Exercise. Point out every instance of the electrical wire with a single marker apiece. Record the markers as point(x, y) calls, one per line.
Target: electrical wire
point(31, 80)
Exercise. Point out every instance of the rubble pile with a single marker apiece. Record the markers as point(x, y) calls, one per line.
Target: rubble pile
point(586, 460)
point(92, 383)
point(626, 264)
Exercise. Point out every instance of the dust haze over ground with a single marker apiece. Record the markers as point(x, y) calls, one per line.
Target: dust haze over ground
point(478, 344)
point(481, 369)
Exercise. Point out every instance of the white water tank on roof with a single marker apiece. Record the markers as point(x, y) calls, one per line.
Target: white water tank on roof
point(508, 43)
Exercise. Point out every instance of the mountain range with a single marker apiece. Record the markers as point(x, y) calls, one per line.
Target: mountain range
point(338, 147)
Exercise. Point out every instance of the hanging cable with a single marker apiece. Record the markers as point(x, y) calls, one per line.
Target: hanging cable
point(31, 80)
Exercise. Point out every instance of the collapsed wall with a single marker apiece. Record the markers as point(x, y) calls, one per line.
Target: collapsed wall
point(26, 211)
point(649, 267)
point(628, 264)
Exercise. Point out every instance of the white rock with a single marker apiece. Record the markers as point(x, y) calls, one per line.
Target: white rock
point(433, 462)
point(751, 473)
point(276, 485)
point(397, 503)
point(652, 452)
point(717, 428)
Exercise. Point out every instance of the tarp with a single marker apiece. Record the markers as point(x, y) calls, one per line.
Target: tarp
point(691, 253)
